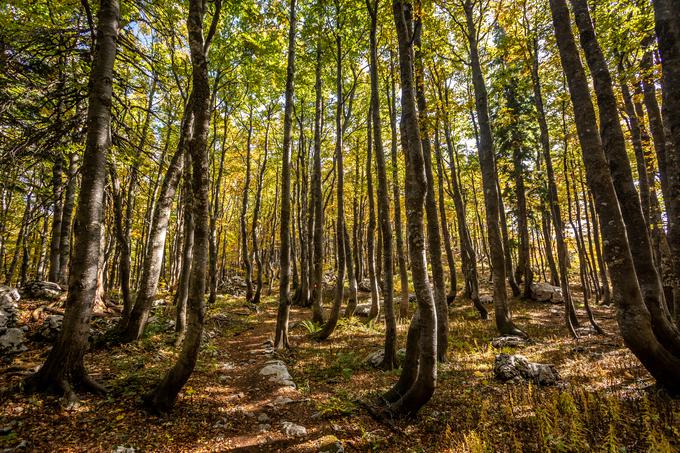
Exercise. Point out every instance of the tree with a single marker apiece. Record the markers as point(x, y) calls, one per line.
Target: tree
point(163, 397)
point(64, 368)
point(281, 333)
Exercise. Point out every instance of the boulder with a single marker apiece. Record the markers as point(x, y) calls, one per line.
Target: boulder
point(363, 310)
point(9, 310)
point(510, 341)
point(545, 292)
point(486, 299)
point(375, 358)
point(51, 327)
point(12, 341)
point(516, 368)
point(278, 373)
point(42, 290)
point(291, 429)
point(364, 286)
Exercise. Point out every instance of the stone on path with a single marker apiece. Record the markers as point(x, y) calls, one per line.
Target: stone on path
point(510, 341)
point(516, 368)
point(291, 429)
point(278, 373)
point(545, 292)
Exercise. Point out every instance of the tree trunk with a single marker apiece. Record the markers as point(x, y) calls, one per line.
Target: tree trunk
point(614, 146)
point(281, 332)
point(490, 184)
point(163, 397)
point(370, 229)
point(57, 214)
point(245, 254)
point(414, 389)
point(317, 196)
point(67, 219)
point(403, 275)
point(64, 367)
point(132, 327)
point(182, 295)
point(633, 317)
point(332, 321)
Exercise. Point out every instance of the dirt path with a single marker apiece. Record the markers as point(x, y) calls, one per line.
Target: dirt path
point(227, 404)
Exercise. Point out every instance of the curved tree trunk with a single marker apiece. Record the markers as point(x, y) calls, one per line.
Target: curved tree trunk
point(64, 367)
point(419, 375)
point(614, 146)
point(403, 274)
point(633, 317)
point(163, 397)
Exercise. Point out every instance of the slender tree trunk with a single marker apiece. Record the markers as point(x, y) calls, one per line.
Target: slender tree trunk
point(490, 184)
point(163, 397)
point(370, 230)
point(317, 196)
point(442, 217)
point(64, 367)
point(256, 214)
point(57, 214)
point(390, 356)
point(418, 379)
point(433, 233)
point(329, 326)
point(245, 253)
point(281, 332)
point(67, 219)
point(182, 295)
point(132, 327)
point(403, 275)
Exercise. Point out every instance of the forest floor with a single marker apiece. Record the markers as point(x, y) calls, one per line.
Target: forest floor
point(605, 400)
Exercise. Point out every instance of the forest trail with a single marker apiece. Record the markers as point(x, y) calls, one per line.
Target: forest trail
point(227, 405)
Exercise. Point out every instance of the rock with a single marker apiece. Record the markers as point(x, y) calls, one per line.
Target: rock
point(516, 368)
point(12, 341)
point(158, 303)
point(264, 427)
point(291, 429)
point(278, 373)
point(122, 449)
point(42, 290)
point(332, 445)
point(545, 292)
point(282, 401)
point(362, 310)
point(51, 327)
point(9, 310)
point(263, 418)
point(375, 358)
point(364, 286)
point(485, 299)
point(508, 342)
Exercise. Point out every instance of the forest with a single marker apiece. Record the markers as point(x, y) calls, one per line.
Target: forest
point(340, 225)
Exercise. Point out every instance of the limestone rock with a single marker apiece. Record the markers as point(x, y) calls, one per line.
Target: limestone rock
point(545, 292)
point(291, 429)
point(278, 373)
point(516, 368)
point(42, 290)
point(12, 341)
point(508, 342)
point(51, 327)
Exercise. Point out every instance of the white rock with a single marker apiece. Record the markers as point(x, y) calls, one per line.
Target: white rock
point(278, 373)
point(291, 429)
point(545, 292)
